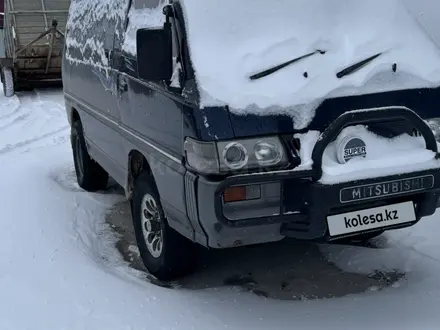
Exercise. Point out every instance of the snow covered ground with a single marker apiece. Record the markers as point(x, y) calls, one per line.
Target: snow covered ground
point(60, 268)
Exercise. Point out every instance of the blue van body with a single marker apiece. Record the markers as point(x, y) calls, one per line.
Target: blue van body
point(132, 124)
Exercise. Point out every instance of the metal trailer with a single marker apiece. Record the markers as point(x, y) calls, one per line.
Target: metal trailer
point(33, 38)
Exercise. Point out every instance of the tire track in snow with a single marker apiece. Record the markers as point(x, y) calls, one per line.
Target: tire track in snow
point(10, 148)
point(32, 120)
point(9, 107)
point(88, 229)
point(17, 119)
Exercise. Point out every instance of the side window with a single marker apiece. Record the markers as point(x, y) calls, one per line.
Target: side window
point(149, 14)
point(142, 14)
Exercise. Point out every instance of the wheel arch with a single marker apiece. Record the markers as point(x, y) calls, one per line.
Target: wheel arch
point(137, 164)
point(74, 115)
point(171, 192)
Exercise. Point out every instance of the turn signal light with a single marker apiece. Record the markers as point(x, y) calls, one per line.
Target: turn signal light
point(234, 194)
point(241, 193)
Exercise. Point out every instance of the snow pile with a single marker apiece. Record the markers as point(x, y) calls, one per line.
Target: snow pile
point(402, 154)
point(231, 40)
point(141, 18)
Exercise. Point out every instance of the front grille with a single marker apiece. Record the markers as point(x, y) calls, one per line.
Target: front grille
point(296, 195)
point(293, 146)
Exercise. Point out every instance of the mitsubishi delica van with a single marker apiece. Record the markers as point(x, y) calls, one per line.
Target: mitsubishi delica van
point(231, 123)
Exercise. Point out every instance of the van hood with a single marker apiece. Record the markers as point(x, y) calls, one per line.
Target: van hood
point(221, 124)
point(341, 47)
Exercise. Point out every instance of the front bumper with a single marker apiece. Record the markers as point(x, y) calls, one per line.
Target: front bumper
point(305, 203)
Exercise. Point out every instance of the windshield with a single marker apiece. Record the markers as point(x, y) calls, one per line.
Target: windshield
point(230, 41)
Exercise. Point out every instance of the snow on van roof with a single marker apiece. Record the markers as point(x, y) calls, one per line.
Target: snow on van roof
point(231, 40)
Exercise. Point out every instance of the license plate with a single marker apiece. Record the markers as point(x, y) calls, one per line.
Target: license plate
point(384, 189)
point(373, 218)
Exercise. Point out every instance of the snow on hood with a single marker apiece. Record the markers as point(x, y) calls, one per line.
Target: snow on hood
point(231, 40)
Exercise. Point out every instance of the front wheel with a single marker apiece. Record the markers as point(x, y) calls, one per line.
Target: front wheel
point(8, 82)
point(165, 253)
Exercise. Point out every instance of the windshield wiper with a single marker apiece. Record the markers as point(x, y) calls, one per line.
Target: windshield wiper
point(355, 67)
point(279, 67)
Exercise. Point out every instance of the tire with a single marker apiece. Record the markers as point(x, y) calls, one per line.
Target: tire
point(90, 175)
point(8, 82)
point(173, 256)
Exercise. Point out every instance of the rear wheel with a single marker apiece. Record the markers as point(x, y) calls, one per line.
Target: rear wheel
point(90, 175)
point(165, 253)
point(8, 82)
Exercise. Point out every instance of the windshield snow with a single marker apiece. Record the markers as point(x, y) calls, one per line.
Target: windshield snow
point(232, 40)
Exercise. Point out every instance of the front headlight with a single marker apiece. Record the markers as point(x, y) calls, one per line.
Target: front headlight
point(268, 153)
point(245, 154)
point(235, 156)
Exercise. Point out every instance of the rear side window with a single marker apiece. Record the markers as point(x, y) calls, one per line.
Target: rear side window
point(91, 29)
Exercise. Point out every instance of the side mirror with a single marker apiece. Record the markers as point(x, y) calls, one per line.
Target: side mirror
point(155, 53)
